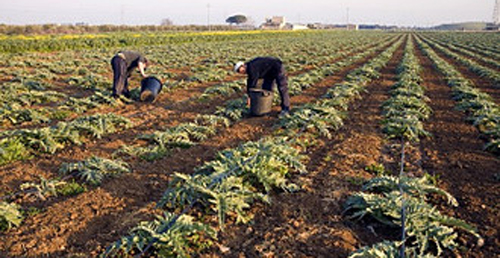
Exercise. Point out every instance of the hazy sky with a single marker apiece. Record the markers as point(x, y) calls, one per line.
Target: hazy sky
point(388, 12)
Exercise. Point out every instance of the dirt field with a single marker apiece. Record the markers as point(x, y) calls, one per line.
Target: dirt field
point(307, 223)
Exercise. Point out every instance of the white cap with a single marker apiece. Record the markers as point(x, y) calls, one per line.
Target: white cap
point(237, 66)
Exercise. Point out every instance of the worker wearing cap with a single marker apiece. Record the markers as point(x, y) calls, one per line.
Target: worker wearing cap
point(270, 69)
point(123, 64)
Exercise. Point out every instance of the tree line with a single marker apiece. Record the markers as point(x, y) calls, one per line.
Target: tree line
point(52, 29)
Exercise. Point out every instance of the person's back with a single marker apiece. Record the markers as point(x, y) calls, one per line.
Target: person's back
point(132, 59)
point(270, 69)
point(123, 63)
point(264, 67)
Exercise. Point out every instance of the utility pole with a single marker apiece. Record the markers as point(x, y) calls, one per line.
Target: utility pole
point(347, 16)
point(208, 16)
point(496, 13)
point(122, 13)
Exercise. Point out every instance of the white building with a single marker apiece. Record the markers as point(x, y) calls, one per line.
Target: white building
point(274, 23)
point(299, 27)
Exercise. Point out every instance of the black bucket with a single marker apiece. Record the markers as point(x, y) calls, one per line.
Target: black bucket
point(150, 88)
point(261, 102)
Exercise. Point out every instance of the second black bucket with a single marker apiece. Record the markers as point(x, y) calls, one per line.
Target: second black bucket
point(150, 88)
point(261, 102)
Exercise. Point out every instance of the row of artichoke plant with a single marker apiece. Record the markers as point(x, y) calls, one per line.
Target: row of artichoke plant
point(402, 202)
point(227, 186)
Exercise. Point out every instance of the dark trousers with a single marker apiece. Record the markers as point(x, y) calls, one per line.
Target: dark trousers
point(120, 78)
point(282, 83)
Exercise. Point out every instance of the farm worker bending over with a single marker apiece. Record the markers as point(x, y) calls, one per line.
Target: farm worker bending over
point(123, 64)
point(270, 69)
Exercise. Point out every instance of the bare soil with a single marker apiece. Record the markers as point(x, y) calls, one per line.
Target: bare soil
point(310, 223)
point(307, 223)
point(87, 223)
point(482, 83)
point(455, 153)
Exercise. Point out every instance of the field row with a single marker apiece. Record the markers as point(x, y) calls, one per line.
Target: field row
point(184, 174)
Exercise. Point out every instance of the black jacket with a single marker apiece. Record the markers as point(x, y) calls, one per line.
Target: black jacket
point(132, 59)
point(267, 68)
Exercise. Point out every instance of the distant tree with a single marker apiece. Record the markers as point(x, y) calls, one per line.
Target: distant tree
point(167, 22)
point(237, 19)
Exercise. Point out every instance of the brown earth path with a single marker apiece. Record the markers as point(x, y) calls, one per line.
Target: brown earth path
point(309, 223)
point(177, 98)
point(168, 111)
point(474, 58)
point(90, 221)
point(455, 154)
point(482, 83)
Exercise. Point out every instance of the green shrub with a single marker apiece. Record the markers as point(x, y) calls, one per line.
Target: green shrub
point(170, 236)
point(93, 170)
point(9, 216)
point(12, 149)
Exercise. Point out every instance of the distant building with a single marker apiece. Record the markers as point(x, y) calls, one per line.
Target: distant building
point(492, 27)
point(352, 27)
point(279, 23)
point(377, 27)
point(299, 27)
point(321, 26)
point(274, 23)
